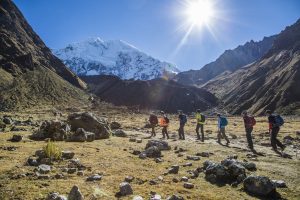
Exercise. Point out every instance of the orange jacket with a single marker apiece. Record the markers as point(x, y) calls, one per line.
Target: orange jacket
point(163, 122)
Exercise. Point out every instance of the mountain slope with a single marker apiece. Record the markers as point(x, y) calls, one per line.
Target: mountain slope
point(153, 94)
point(30, 73)
point(270, 83)
point(230, 60)
point(115, 57)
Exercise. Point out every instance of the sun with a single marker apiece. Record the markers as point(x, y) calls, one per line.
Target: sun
point(199, 12)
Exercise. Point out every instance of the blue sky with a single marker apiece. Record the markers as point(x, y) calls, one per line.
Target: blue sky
point(153, 26)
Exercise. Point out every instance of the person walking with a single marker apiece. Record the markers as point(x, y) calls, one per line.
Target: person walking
point(164, 123)
point(153, 120)
point(200, 124)
point(222, 123)
point(182, 121)
point(249, 122)
point(275, 121)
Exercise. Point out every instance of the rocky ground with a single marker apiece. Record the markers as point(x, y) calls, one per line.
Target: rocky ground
point(120, 167)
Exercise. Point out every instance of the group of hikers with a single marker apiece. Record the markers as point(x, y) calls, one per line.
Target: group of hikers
point(275, 122)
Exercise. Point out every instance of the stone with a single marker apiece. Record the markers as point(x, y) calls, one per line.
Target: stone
point(175, 180)
point(71, 170)
point(59, 176)
point(125, 189)
point(173, 169)
point(211, 178)
point(7, 120)
point(67, 154)
point(132, 139)
point(161, 145)
point(81, 136)
point(155, 197)
point(80, 173)
point(55, 196)
point(115, 125)
point(175, 197)
point(188, 185)
point(136, 152)
point(235, 170)
point(184, 179)
point(158, 160)
point(153, 182)
point(16, 138)
point(44, 176)
point(207, 163)
point(218, 170)
point(203, 154)
point(55, 130)
point(152, 152)
point(44, 169)
point(137, 198)
point(249, 166)
point(187, 164)
point(119, 133)
point(139, 140)
point(259, 185)
point(16, 129)
point(46, 161)
point(194, 158)
point(90, 123)
point(229, 161)
point(143, 156)
point(129, 179)
point(95, 177)
point(75, 194)
point(32, 161)
point(279, 183)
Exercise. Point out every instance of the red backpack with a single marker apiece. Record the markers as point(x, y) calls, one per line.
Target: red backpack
point(252, 121)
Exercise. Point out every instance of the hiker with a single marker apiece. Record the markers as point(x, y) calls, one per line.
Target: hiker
point(249, 122)
point(182, 121)
point(200, 123)
point(153, 120)
point(164, 123)
point(275, 121)
point(222, 123)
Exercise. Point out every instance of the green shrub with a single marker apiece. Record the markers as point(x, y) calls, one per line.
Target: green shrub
point(52, 151)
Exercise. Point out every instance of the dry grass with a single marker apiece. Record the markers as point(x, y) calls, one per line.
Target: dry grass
point(112, 157)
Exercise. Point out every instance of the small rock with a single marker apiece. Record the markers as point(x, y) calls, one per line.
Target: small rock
point(158, 160)
point(16, 138)
point(139, 140)
point(119, 133)
point(142, 156)
point(72, 170)
point(115, 125)
point(137, 198)
point(67, 154)
point(153, 182)
point(125, 189)
point(175, 180)
point(129, 179)
point(175, 197)
point(44, 176)
point(162, 145)
point(40, 153)
point(132, 139)
point(194, 158)
point(155, 197)
point(59, 176)
point(95, 177)
point(184, 179)
point(7, 120)
point(80, 173)
point(188, 185)
point(55, 196)
point(32, 162)
point(249, 166)
point(152, 152)
point(279, 183)
point(44, 169)
point(136, 152)
point(46, 161)
point(75, 194)
point(203, 154)
point(173, 169)
point(187, 164)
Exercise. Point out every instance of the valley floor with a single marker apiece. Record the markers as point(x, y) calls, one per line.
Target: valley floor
point(113, 158)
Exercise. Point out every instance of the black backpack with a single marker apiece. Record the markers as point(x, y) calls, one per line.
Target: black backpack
point(202, 118)
point(153, 119)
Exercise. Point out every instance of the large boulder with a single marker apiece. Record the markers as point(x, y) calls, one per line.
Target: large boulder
point(125, 189)
point(90, 123)
point(7, 120)
point(152, 152)
point(259, 185)
point(162, 145)
point(218, 170)
point(56, 130)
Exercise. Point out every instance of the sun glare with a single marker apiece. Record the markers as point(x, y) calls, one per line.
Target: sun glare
point(199, 12)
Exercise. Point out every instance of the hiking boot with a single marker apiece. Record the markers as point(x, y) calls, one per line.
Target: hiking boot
point(283, 147)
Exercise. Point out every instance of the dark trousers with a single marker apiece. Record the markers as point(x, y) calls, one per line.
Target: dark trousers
point(181, 132)
point(200, 126)
point(274, 141)
point(221, 134)
point(165, 132)
point(153, 134)
point(249, 137)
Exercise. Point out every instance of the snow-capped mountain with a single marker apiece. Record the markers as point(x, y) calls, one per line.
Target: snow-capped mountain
point(113, 57)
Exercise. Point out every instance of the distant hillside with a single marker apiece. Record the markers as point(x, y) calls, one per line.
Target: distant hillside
point(229, 61)
point(30, 73)
point(153, 94)
point(270, 83)
point(114, 57)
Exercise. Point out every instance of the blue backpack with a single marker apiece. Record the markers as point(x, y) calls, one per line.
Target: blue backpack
point(184, 119)
point(279, 120)
point(224, 121)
